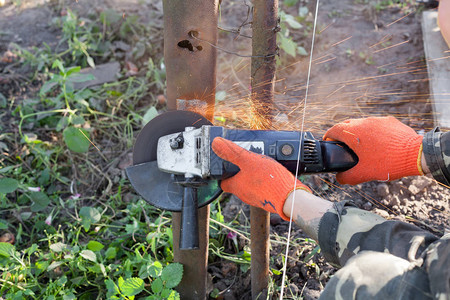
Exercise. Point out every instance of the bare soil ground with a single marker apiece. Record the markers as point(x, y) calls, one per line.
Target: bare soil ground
point(367, 61)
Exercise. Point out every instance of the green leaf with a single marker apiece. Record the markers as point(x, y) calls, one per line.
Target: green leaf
point(173, 295)
point(58, 247)
point(288, 45)
point(28, 293)
point(172, 275)
point(90, 62)
point(58, 63)
point(302, 51)
point(40, 201)
point(132, 286)
point(32, 249)
point(82, 78)
point(8, 185)
point(89, 255)
point(47, 86)
point(76, 139)
point(155, 269)
point(73, 70)
point(276, 272)
point(3, 224)
point(88, 216)
point(120, 282)
point(303, 11)
point(3, 101)
point(292, 22)
point(54, 265)
point(6, 249)
point(289, 3)
point(69, 296)
point(149, 115)
point(95, 246)
point(78, 120)
point(157, 286)
point(111, 253)
point(112, 287)
point(62, 123)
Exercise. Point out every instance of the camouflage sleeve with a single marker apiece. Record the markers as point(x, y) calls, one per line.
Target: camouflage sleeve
point(437, 265)
point(436, 148)
point(345, 230)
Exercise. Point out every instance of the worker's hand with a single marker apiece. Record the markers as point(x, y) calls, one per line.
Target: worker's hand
point(261, 181)
point(387, 149)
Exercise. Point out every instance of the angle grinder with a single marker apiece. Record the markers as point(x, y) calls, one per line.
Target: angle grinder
point(174, 167)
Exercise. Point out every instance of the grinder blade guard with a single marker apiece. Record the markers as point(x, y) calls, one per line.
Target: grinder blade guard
point(167, 191)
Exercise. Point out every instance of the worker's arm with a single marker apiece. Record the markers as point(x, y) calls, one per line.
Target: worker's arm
point(343, 230)
point(436, 155)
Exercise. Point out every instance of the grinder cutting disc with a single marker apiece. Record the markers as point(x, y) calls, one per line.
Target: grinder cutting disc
point(158, 188)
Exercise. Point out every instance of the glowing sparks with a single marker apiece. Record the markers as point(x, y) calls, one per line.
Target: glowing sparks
point(398, 20)
point(340, 42)
point(396, 45)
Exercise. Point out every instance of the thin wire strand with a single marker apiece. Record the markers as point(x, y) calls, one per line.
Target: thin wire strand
point(231, 52)
point(298, 157)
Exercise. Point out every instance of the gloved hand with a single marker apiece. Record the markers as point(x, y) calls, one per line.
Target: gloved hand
point(387, 149)
point(261, 181)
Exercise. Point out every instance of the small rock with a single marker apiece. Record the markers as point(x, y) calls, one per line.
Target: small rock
point(293, 289)
point(404, 201)
point(132, 68)
point(126, 161)
point(275, 219)
point(382, 213)
point(102, 74)
point(228, 295)
point(309, 294)
point(383, 190)
point(7, 238)
point(304, 271)
point(367, 206)
point(161, 99)
point(418, 184)
point(395, 201)
point(228, 267)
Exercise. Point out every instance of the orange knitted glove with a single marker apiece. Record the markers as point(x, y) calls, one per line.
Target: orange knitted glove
point(261, 181)
point(387, 149)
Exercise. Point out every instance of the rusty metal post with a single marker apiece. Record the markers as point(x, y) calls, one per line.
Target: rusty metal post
point(264, 47)
point(191, 80)
point(190, 62)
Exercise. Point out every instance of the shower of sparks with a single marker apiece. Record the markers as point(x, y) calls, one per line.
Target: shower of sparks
point(386, 38)
point(342, 41)
point(379, 50)
point(399, 19)
point(375, 91)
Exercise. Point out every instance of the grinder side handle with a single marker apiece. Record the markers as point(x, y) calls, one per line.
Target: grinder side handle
point(189, 219)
